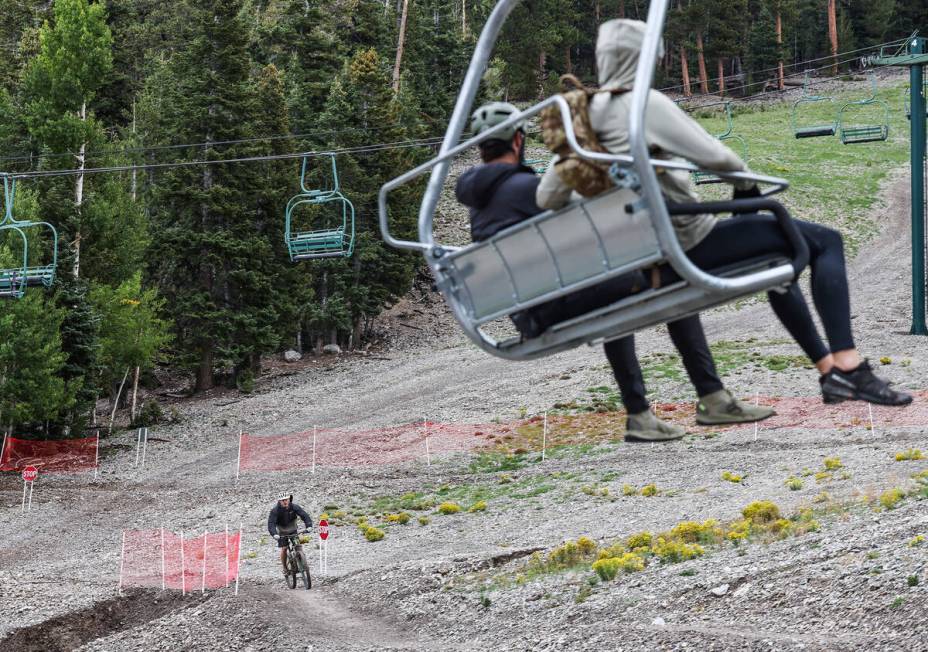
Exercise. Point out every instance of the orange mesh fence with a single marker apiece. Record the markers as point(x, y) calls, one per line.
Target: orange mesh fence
point(338, 447)
point(60, 456)
point(163, 559)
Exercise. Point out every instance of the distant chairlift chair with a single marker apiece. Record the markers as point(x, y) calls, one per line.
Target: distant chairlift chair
point(313, 243)
point(15, 279)
point(702, 178)
point(863, 133)
point(802, 129)
point(559, 252)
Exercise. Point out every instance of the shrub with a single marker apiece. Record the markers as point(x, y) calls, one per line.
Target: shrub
point(912, 580)
point(629, 490)
point(586, 546)
point(673, 551)
point(909, 455)
point(608, 568)
point(780, 526)
point(823, 476)
point(890, 498)
point(373, 534)
point(424, 520)
point(479, 506)
point(794, 483)
point(833, 463)
point(761, 511)
point(639, 541)
point(615, 550)
point(649, 490)
point(251, 554)
point(402, 518)
point(739, 531)
point(449, 508)
point(732, 477)
point(917, 541)
point(695, 532)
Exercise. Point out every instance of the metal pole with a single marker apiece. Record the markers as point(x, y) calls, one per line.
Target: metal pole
point(24, 497)
point(203, 575)
point(314, 449)
point(238, 464)
point(238, 558)
point(96, 457)
point(138, 446)
point(917, 122)
point(31, 487)
point(544, 437)
point(183, 571)
point(227, 554)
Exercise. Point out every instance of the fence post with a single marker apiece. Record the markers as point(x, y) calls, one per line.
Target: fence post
point(138, 446)
point(238, 464)
point(238, 558)
point(203, 575)
point(544, 437)
point(314, 449)
point(183, 569)
point(144, 447)
point(227, 556)
point(162, 559)
point(122, 557)
point(96, 457)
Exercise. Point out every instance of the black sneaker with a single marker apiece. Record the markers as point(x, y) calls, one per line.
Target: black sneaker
point(861, 384)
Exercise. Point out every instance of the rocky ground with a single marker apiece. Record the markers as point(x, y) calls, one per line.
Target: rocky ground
point(468, 581)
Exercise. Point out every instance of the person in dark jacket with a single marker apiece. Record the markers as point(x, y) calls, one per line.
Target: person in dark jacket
point(501, 193)
point(282, 521)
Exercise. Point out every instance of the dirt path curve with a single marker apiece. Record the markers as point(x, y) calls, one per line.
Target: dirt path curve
point(332, 622)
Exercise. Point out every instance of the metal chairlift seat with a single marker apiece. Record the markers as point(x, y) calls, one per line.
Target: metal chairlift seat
point(332, 242)
point(15, 280)
point(864, 133)
point(703, 178)
point(814, 130)
point(556, 253)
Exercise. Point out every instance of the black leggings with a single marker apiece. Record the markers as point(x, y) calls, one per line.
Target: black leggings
point(689, 338)
point(747, 236)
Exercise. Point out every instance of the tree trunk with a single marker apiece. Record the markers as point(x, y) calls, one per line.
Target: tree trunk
point(621, 8)
point(79, 196)
point(116, 402)
point(701, 59)
point(833, 35)
point(134, 171)
point(685, 67)
point(721, 77)
point(599, 12)
point(781, 78)
point(135, 393)
point(399, 48)
point(568, 64)
point(542, 60)
point(205, 369)
point(464, 18)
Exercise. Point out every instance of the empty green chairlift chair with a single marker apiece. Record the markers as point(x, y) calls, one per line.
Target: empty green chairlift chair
point(803, 126)
point(15, 278)
point(319, 222)
point(702, 178)
point(851, 133)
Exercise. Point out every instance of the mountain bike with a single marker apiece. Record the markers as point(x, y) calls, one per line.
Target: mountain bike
point(296, 561)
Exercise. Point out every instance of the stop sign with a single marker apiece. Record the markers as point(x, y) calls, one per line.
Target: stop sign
point(323, 529)
point(30, 473)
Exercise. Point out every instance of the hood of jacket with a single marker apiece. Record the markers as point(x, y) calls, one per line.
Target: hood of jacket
point(618, 48)
point(476, 187)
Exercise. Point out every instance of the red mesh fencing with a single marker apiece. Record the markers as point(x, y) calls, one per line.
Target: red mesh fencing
point(163, 559)
point(49, 456)
point(338, 447)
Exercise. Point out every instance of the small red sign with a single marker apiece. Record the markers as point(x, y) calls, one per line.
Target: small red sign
point(323, 529)
point(30, 473)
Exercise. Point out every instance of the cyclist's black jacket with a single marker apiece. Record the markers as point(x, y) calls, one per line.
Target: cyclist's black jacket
point(284, 517)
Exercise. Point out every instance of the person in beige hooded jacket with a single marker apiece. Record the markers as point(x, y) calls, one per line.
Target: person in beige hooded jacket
point(711, 243)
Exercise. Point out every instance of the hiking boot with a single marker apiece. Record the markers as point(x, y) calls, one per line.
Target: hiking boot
point(721, 407)
point(647, 427)
point(861, 384)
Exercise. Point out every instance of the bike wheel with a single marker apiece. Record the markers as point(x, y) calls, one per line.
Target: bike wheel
point(291, 571)
point(304, 566)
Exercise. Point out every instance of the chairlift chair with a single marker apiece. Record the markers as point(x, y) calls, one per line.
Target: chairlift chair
point(802, 129)
point(15, 280)
point(864, 133)
point(702, 178)
point(559, 252)
point(330, 242)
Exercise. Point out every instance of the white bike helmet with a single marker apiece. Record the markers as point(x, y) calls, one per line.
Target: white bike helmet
point(284, 496)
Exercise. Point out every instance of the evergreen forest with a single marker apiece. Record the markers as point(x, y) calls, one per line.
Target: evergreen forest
point(162, 141)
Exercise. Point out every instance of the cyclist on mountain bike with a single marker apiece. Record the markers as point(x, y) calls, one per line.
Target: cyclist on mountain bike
point(282, 521)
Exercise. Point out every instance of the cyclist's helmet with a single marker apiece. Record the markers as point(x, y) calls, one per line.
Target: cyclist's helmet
point(492, 114)
point(284, 496)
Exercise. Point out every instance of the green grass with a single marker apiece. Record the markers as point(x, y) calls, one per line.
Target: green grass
point(831, 183)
